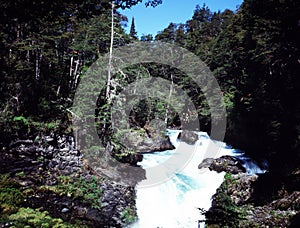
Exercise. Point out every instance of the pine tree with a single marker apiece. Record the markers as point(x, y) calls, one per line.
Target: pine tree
point(45, 48)
point(168, 34)
point(263, 41)
point(133, 32)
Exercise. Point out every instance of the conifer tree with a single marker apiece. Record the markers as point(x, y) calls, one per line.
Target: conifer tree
point(133, 32)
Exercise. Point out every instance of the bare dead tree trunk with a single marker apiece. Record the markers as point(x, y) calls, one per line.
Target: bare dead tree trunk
point(76, 73)
point(107, 113)
point(37, 65)
point(71, 66)
point(18, 32)
point(108, 84)
point(169, 100)
point(28, 54)
point(58, 90)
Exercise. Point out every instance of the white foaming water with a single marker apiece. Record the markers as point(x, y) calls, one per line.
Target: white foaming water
point(175, 202)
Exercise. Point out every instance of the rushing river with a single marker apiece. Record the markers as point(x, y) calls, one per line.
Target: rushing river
point(176, 201)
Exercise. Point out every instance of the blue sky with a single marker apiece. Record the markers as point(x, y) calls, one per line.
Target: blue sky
point(152, 20)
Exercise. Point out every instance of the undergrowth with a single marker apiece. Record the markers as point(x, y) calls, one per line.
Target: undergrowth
point(80, 188)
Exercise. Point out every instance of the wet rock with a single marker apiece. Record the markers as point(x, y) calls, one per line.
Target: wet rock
point(291, 201)
point(166, 145)
point(134, 142)
point(223, 164)
point(19, 142)
point(189, 137)
point(233, 201)
point(53, 163)
point(116, 198)
point(265, 216)
point(131, 158)
point(240, 189)
point(150, 141)
point(65, 210)
point(49, 139)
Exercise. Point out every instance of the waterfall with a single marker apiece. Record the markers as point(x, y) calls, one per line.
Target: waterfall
point(176, 201)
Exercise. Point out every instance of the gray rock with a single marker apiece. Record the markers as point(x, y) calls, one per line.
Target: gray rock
point(64, 150)
point(62, 165)
point(188, 137)
point(65, 210)
point(19, 142)
point(62, 159)
point(49, 139)
point(287, 202)
point(241, 189)
point(223, 164)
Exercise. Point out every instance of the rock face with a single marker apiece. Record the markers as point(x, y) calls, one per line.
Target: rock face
point(144, 140)
point(40, 165)
point(223, 164)
point(240, 188)
point(232, 206)
point(155, 144)
point(189, 137)
point(115, 200)
point(155, 139)
point(289, 201)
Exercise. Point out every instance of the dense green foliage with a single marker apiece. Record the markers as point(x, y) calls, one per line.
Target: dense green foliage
point(88, 191)
point(128, 215)
point(10, 195)
point(133, 32)
point(265, 120)
point(254, 54)
point(27, 217)
point(47, 46)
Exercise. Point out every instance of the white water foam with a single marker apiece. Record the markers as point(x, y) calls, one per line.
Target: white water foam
point(176, 202)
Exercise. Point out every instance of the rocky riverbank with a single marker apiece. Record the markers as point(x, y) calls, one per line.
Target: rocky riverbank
point(48, 176)
point(240, 202)
point(44, 179)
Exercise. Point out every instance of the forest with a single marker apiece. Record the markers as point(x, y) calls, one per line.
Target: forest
point(46, 48)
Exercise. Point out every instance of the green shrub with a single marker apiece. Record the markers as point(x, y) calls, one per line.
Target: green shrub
point(27, 217)
point(10, 195)
point(21, 119)
point(88, 191)
point(224, 213)
point(20, 174)
point(128, 215)
point(29, 124)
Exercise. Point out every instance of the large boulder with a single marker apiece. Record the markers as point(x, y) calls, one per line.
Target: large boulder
point(143, 140)
point(223, 164)
point(233, 206)
point(155, 145)
point(188, 137)
point(240, 188)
